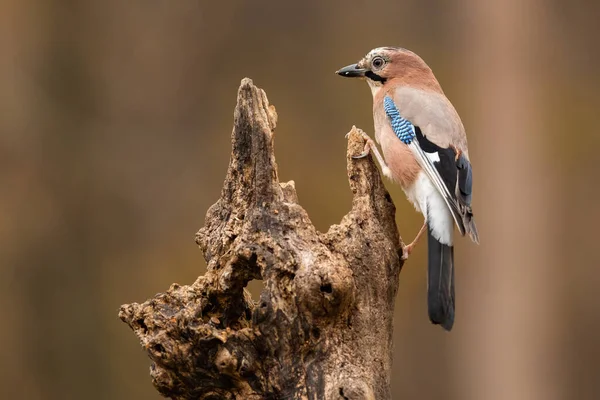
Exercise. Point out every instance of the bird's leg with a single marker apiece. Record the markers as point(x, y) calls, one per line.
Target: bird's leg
point(371, 146)
point(407, 249)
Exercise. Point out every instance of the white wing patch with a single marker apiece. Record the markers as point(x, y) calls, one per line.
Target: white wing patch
point(433, 157)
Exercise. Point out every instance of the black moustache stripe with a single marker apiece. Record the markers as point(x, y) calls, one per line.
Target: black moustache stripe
point(372, 75)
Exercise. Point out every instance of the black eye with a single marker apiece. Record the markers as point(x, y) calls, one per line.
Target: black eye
point(378, 62)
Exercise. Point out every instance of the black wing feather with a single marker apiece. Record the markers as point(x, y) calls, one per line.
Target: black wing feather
point(465, 179)
point(457, 175)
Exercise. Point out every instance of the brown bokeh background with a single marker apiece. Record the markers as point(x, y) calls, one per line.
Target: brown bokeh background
point(115, 121)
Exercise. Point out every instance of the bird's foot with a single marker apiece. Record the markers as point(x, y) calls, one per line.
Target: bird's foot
point(366, 151)
point(358, 130)
point(368, 144)
point(406, 250)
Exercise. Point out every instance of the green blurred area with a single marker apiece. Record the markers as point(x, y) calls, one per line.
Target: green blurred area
point(115, 122)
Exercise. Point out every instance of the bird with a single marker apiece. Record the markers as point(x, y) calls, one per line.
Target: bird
point(425, 151)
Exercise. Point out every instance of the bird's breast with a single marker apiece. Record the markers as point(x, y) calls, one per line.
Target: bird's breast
point(403, 165)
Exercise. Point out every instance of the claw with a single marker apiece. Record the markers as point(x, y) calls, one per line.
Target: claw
point(366, 151)
point(359, 131)
point(406, 250)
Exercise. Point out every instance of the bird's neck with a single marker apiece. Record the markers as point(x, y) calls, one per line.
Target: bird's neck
point(375, 87)
point(424, 82)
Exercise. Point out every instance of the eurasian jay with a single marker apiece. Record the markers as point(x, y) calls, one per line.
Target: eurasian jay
point(425, 151)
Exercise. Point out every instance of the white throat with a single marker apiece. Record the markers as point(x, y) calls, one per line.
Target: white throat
point(375, 86)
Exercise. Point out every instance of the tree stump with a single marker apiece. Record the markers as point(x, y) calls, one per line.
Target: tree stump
point(323, 326)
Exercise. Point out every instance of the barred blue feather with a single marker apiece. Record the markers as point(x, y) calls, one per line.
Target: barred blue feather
point(401, 127)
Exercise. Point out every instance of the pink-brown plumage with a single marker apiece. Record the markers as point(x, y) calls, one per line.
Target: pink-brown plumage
point(432, 165)
point(403, 166)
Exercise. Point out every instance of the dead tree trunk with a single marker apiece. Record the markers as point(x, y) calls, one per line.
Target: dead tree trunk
point(323, 326)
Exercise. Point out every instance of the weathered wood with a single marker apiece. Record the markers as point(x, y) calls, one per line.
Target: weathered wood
point(323, 326)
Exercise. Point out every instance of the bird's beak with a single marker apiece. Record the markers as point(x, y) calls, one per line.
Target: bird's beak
point(352, 71)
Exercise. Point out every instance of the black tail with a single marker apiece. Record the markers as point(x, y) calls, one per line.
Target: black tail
point(440, 284)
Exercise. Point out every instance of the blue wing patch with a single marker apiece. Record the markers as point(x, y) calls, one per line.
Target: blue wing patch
point(401, 127)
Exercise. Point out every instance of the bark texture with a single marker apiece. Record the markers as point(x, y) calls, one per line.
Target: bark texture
point(323, 326)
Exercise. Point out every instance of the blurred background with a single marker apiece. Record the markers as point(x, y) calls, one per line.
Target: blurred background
point(115, 122)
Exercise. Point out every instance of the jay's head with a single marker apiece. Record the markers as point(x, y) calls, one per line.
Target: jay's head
point(387, 65)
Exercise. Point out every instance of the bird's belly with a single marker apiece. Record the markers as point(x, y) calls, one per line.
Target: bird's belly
point(427, 200)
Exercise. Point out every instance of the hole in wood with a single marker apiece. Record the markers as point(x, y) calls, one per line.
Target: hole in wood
point(326, 288)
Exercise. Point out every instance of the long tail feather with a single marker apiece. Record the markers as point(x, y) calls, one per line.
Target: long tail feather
point(440, 285)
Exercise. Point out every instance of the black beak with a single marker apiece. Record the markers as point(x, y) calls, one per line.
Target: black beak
point(352, 71)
